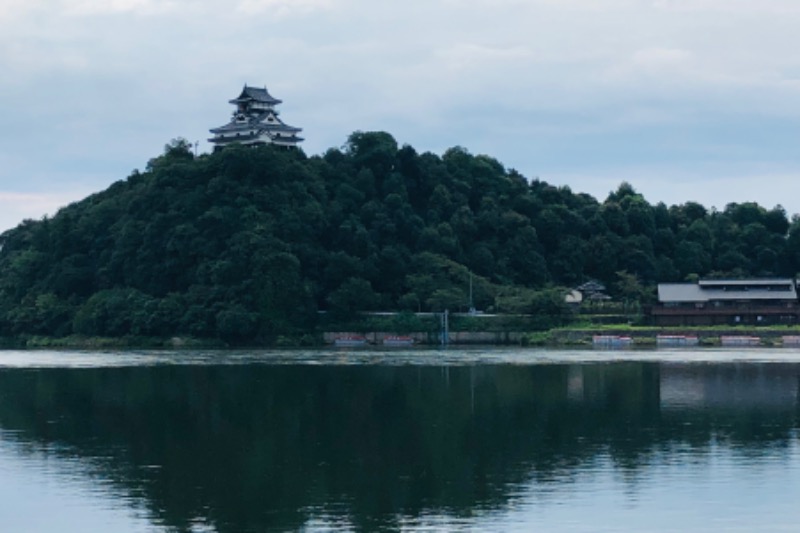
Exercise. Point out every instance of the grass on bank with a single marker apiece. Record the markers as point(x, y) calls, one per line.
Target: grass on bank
point(534, 330)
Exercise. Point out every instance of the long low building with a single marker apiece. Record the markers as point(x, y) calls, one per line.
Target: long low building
point(727, 302)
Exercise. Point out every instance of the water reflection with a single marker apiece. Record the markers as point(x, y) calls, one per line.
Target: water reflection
point(255, 447)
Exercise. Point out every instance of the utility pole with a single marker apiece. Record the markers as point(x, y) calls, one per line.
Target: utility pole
point(445, 327)
point(472, 310)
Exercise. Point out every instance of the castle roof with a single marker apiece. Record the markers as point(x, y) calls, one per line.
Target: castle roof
point(255, 93)
point(258, 122)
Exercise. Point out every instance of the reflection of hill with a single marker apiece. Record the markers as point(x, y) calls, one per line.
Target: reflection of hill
point(254, 448)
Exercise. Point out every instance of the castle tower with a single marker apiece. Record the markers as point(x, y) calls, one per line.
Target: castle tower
point(255, 121)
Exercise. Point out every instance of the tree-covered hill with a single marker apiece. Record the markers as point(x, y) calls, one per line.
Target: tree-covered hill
point(246, 244)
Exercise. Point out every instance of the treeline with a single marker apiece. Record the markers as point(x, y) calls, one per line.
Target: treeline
point(247, 244)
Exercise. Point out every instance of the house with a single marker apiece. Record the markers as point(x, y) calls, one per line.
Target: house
point(593, 292)
point(727, 302)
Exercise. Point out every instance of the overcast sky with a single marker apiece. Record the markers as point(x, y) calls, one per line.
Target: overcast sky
point(688, 100)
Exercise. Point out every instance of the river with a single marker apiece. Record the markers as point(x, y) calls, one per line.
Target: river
point(400, 440)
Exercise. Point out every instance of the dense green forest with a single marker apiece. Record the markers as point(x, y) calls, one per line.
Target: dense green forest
point(247, 244)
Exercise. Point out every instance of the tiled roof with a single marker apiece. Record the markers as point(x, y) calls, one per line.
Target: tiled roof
point(257, 122)
point(256, 139)
point(744, 282)
point(233, 126)
point(681, 292)
point(591, 286)
point(692, 292)
point(258, 94)
point(279, 124)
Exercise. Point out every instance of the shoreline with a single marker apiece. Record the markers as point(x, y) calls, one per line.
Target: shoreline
point(640, 336)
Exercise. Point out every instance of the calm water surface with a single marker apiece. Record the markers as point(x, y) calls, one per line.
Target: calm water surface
point(457, 440)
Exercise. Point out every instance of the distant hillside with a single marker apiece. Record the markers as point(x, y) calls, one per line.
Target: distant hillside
point(247, 244)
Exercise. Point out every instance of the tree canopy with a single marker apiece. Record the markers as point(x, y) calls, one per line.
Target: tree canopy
point(249, 243)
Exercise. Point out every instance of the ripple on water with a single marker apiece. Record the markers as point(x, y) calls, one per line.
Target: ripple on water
point(454, 356)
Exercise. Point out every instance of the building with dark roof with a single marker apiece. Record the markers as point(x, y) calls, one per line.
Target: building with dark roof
point(255, 121)
point(727, 302)
point(593, 291)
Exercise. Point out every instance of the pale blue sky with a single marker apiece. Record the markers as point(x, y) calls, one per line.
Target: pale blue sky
point(686, 99)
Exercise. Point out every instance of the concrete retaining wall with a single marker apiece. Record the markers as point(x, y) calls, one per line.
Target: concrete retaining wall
point(422, 337)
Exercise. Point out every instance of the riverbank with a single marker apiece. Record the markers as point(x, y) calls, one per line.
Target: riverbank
point(79, 342)
point(571, 336)
point(647, 336)
point(643, 336)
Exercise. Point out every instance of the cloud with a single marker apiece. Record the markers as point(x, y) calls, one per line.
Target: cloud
point(15, 10)
point(28, 60)
point(110, 7)
point(570, 87)
point(283, 8)
point(469, 56)
point(729, 6)
point(587, 5)
point(663, 66)
point(661, 58)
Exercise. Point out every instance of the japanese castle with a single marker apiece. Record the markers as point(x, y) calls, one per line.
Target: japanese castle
point(255, 121)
